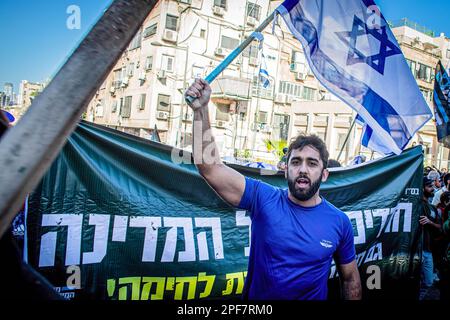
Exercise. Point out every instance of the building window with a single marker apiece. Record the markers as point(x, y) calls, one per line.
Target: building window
point(308, 93)
point(130, 69)
point(251, 51)
point(424, 73)
point(141, 104)
point(340, 143)
point(125, 111)
point(149, 63)
point(136, 42)
point(171, 22)
point(163, 103)
point(99, 109)
point(262, 117)
point(220, 3)
point(412, 67)
point(281, 126)
point(167, 63)
point(290, 89)
point(426, 94)
point(259, 90)
point(114, 106)
point(117, 78)
point(151, 30)
point(197, 72)
point(448, 54)
point(202, 33)
point(253, 10)
point(222, 112)
point(229, 43)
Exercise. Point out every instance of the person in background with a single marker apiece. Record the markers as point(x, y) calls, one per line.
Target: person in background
point(436, 177)
point(445, 271)
point(333, 163)
point(445, 187)
point(282, 163)
point(439, 242)
point(429, 228)
point(444, 170)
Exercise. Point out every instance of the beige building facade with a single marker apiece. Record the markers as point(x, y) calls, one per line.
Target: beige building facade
point(182, 40)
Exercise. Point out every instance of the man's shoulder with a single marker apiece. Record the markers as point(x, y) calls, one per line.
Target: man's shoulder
point(335, 211)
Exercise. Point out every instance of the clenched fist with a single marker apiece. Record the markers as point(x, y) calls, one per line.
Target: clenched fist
point(201, 92)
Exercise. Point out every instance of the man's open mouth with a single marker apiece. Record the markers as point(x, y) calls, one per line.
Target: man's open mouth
point(303, 182)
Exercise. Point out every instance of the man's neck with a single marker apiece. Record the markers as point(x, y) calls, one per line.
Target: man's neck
point(314, 201)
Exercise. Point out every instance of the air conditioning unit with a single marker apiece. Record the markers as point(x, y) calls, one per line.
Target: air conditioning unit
point(162, 115)
point(266, 128)
point(251, 21)
point(170, 35)
point(220, 124)
point(124, 82)
point(289, 99)
point(112, 90)
point(300, 76)
point(189, 116)
point(142, 76)
point(253, 61)
point(221, 52)
point(255, 127)
point(161, 74)
point(218, 11)
point(280, 98)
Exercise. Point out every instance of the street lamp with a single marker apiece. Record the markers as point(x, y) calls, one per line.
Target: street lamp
point(183, 102)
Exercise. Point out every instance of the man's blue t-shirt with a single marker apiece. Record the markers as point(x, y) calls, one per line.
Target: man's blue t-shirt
point(292, 247)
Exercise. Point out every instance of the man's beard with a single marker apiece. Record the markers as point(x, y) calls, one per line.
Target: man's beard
point(307, 193)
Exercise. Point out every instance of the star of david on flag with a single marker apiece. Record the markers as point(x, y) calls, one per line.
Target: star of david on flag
point(363, 65)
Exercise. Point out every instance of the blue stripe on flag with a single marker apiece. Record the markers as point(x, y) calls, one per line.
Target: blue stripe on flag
point(440, 106)
point(388, 119)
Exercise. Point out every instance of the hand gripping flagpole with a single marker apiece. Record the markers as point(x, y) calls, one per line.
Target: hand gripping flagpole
point(229, 59)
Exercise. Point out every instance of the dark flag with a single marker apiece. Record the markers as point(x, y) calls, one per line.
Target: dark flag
point(441, 105)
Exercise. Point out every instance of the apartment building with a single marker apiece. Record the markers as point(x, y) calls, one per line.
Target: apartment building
point(182, 40)
point(185, 39)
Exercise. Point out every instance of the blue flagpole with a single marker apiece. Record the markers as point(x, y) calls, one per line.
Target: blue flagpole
point(229, 59)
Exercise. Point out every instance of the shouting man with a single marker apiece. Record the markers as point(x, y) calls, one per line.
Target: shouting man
point(295, 232)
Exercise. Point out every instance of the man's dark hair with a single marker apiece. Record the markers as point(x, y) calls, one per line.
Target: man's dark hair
point(333, 163)
point(446, 179)
point(313, 141)
point(445, 197)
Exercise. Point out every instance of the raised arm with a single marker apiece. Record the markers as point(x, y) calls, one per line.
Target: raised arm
point(228, 183)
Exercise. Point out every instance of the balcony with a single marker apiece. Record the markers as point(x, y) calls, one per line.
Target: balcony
point(231, 88)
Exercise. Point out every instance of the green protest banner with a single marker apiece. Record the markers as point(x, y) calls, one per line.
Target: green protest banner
point(118, 217)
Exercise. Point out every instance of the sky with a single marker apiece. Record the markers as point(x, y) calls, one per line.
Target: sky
point(36, 41)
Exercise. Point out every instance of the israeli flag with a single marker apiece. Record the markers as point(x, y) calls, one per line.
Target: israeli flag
point(263, 73)
point(353, 53)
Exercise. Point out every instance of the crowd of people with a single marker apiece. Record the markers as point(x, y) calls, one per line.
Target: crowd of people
point(435, 227)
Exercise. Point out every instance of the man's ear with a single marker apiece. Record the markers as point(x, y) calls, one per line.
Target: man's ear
point(325, 174)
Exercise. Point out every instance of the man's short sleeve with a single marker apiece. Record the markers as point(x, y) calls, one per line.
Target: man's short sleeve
point(345, 252)
point(255, 195)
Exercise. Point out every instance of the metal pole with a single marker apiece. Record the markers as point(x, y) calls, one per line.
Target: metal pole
point(29, 148)
point(184, 107)
point(346, 138)
point(229, 59)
